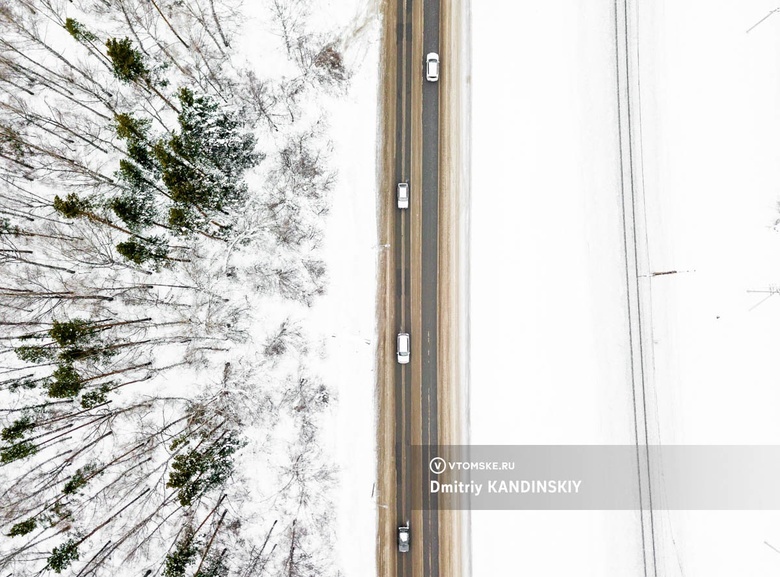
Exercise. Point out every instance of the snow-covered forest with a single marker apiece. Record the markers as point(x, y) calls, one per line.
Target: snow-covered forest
point(161, 210)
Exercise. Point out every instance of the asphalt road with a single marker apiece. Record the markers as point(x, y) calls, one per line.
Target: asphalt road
point(423, 394)
point(403, 373)
point(430, 282)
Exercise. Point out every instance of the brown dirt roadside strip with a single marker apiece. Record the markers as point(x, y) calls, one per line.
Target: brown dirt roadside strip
point(453, 539)
point(385, 306)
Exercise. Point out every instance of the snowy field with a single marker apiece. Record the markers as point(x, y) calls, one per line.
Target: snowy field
point(711, 127)
point(549, 361)
point(346, 314)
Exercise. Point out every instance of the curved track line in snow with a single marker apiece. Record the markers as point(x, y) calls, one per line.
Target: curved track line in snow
point(630, 191)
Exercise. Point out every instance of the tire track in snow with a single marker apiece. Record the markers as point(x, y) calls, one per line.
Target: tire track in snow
point(629, 157)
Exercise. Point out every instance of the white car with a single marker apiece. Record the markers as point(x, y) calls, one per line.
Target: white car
point(403, 348)
point(403, 538)
point(432, 67)
point(402, 192)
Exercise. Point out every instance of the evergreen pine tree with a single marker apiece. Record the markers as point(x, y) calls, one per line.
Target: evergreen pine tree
point(17, 429)
point(140, 251)
point(7, 228)
point(17, 384)
point(129, 127)
point(95, 397)
point(177, 561)
point(23, 528)
point(127, 62)
point(34, 353)
point(136, 211)
point(214, 567)
point(17, 451)
point(71, 333)
point(71, 206)
point(181, 219)
point(196, 472)
point(79, 479)
point(203, 163)
point(62, 556)
point(79, 31)
point(135, 133)
point(74, 207)
point(67, 382)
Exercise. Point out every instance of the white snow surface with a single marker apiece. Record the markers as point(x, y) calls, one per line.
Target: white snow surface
point(344, 319)
point(549, 361)
point(346, 315)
